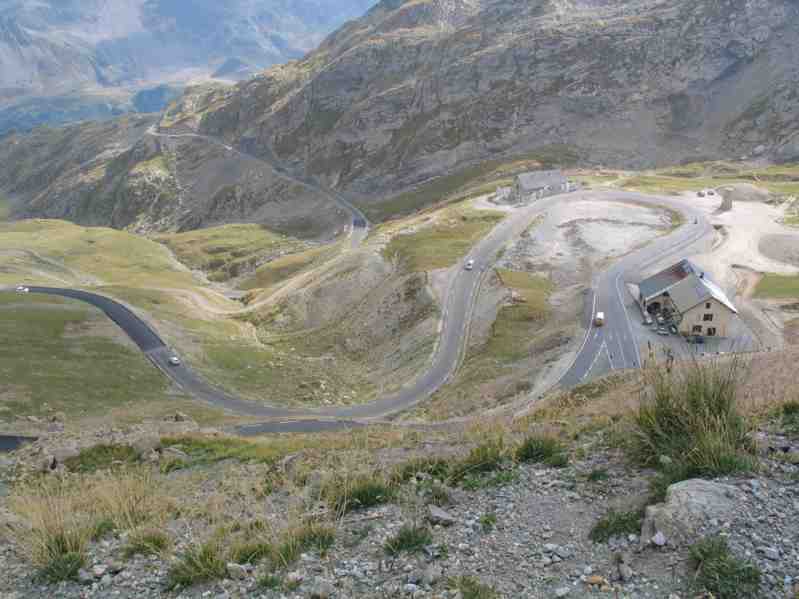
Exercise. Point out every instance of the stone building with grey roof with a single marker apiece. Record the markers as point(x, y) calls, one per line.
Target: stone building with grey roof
point(685, 294)
point(539, 184)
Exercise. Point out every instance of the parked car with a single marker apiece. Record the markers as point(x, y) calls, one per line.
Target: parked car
point(599, 319)
point(662, 331)
point(673, 329)
point(469, 264)
point(710, 192)
point(22, 289)
point(701, 194)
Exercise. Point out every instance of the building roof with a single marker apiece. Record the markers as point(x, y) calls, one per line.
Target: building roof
point(539, 179)
point(686, 284)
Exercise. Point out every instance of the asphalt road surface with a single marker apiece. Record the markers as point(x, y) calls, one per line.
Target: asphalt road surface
point(614, 343)
point(614, 346)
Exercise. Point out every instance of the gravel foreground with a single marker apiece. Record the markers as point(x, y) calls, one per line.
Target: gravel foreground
point(526, 537)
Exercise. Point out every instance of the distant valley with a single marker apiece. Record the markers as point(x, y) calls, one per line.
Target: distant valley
point(87, 59)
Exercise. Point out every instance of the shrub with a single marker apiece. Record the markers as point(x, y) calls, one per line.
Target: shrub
point(346, 495)
point(409, 539)
point(128, 499)
point(722, 574)
point(250, 552)
point(437, 495)
point(146, 542)
point(486, 457)
point(102, 528)
point(471, 588)
point(690, 415)
point(614, 524)
point(537, 449)
point(197, 564)
point(102, 457)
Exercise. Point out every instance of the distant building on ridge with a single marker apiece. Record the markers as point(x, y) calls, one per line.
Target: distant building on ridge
point(540, 184)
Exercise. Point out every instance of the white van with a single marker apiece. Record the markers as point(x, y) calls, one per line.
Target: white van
point(469, 265)
point(599, 319)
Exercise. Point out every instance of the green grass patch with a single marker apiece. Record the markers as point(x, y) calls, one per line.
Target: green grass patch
point(280, 269)
point(773, 286)
point(541, 450)
point(311, 536)
point(470, 180)
point(485, 458)
point(453, 233)
point(617, 524)
point(64, 358)
point(409, 539)
point(102, 457)
point(62, 567)
point(511, 332)
point(488, 522)
point(721, 573)
point(436, 467)
point(688, 422)
point(228, 251)
point(789, 413)
point(598, 475)
point(269, 582)
point(250, 552)
point(345, 494)
point(471, 588)
point(202, 563)
point(146, 542)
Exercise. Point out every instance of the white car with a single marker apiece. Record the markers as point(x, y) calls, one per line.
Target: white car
point(22, 289)
point(469, 265)
point(174, 360)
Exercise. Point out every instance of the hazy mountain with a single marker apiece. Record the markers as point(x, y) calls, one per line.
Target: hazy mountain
point(63, 47)
point(422, 88)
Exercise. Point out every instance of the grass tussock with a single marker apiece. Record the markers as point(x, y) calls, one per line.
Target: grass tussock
point(346, 494)
point(202, 563)
point(311, 536)
point(542, 450)
point(102, 457)
point(487, 457)
point(471, 588)
point(409, 539)
point(147, 541)
point(721, 573)
point(689, 423)
point(432, 466)
point(59, 517)
point(617, 524)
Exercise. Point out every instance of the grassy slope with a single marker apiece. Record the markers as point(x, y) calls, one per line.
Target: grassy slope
point(485, 177)
point(512, 334)
point(782, 180)
point(112, 257)
point(227, 251)
point(778, 287)
point(66, 357)
point(282, 268)
point(453, 233)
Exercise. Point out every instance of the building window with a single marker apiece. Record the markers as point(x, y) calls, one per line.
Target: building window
point(708, 318)
point(707, 306)
point(697, 329)
point(711, 331)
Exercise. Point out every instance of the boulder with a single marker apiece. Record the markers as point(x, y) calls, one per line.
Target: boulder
point(438, 516)
point(146, 445)
point(62, 454)
point(688, 506)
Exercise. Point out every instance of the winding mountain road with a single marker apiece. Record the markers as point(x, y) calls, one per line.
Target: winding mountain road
point(603, 349)
point(359, 225)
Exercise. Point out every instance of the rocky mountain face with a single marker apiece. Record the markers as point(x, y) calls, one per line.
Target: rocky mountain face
point(59, 47)
point(419, 88)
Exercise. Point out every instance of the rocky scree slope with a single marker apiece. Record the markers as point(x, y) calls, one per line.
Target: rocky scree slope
point(114, 174)
point(420, 88)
